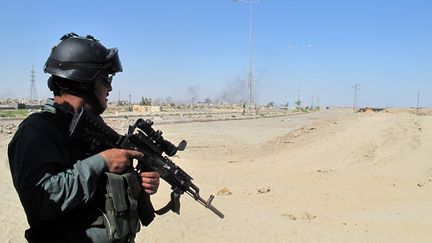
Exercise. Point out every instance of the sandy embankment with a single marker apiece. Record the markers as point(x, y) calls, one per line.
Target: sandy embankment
point(330, 176)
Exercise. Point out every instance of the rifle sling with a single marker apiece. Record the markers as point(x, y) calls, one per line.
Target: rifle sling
point(173, 205)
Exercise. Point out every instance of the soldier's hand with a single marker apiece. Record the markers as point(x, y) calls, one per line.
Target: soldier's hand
point(149, 182)
point(119, 159)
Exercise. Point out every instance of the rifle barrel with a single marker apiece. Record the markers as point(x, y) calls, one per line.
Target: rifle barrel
point(205, 203)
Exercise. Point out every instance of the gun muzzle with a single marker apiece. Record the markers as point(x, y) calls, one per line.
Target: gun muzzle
point(212, 208)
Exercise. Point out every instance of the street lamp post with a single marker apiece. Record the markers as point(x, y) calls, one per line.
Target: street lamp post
point(250, 77)
point(290, 46)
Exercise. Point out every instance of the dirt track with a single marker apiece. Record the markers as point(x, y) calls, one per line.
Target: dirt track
point(331, 176)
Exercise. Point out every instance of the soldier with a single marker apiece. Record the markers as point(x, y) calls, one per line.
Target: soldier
point(64, 191)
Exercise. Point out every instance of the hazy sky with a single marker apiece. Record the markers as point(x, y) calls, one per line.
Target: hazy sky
point(200, 48)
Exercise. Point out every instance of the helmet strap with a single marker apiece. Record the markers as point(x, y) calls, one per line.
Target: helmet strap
point(85, 91)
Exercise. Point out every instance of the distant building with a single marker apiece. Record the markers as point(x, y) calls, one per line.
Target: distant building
point(146, 108)
point(12, 106)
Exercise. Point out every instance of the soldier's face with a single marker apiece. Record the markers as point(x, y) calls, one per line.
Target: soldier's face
point(102, 89)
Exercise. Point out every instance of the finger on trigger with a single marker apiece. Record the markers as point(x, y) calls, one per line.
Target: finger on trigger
point(134, 154)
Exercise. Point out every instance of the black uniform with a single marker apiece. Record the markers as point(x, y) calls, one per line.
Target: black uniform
point(59, 193)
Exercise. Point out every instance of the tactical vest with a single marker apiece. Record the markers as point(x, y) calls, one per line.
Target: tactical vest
point(121, 217)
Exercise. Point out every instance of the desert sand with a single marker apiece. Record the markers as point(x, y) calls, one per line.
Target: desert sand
point(328, 176)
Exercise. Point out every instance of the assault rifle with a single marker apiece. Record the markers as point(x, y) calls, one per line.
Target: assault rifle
point(141, 137)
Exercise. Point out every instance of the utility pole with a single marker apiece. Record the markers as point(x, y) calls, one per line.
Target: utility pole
point(130, 105)
point(33, 93)
point(316, 95)
point(418, 100)
point(356, 89)
point(298, 94)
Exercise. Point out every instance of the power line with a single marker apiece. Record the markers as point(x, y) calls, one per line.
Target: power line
point(33, 97)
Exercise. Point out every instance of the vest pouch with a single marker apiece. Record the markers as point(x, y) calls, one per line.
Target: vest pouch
point(121, 205)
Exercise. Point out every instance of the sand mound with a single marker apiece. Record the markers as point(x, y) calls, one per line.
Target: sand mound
point(330, 176)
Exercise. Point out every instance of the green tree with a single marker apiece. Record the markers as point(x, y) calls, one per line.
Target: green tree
point(270, 104)
point(145, 101)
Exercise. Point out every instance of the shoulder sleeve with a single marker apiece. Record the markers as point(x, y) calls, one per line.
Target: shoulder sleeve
point(47, 182)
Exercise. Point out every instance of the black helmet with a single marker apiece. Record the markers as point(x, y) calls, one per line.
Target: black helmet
point(82, 59)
